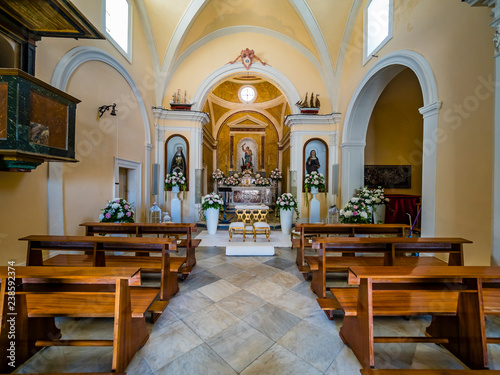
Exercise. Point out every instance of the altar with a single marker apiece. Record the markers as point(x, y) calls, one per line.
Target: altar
point(252, 195)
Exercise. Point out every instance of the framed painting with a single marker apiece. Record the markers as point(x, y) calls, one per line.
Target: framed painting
point(388, 176)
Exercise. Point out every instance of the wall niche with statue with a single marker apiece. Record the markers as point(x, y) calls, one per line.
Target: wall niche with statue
point(177, 156)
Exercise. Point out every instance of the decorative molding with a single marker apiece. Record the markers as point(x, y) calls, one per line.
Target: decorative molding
point(257, 124)
point(79, 55)
point(274, 75)
point(431, 109)
point(193, 116)
point(305, 119)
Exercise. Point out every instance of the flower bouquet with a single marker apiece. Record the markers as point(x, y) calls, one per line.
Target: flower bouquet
point(356, 211)
point(212, 200)
point(175, 179)
point(276, 175)
point(232, 181)
point(247, 171)
point(218, 175)
point(373, 196)
point(262, 181)
point(314, 179)
point(287, 201)
point(117, 211)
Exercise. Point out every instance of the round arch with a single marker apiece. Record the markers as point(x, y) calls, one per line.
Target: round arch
point(358, 116)
point(274, 75)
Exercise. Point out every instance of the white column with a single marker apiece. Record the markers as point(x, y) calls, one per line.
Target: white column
point(353, 168)
point(429, 159)
point(333, 158)
point(495, 230)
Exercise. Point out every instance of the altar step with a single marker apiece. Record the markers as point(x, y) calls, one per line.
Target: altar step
point(202, 224)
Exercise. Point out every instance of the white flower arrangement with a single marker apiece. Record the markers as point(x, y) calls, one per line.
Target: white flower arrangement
point(247, 171)
point(117, 211)
point(175, 179)
point(276, 175)
point(373, 197)
point(212, 200)
point(232, 180)
point(287, 201)
point(356, 211)
point(314, 179)
point(262, 181)
point(218, 175)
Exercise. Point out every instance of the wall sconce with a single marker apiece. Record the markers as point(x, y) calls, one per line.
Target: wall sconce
point(104, 108)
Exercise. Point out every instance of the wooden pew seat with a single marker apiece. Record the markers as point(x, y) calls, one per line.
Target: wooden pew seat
point(428, 372)
point(147, 264)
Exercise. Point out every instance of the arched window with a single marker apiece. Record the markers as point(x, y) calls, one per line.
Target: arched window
point(377, 26)
point(117, 19)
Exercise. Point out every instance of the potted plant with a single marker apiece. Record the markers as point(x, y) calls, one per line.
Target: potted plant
point(262, 181)
point(376, 199)
point(211, 204)
point(356, 211)
point(117, 211)
point(218, 175)
point(286, 205)
point(176, 181)
point(232, 180)
point(314, 182)
point(276, 175)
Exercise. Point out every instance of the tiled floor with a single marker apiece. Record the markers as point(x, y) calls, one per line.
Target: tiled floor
point(248, 315)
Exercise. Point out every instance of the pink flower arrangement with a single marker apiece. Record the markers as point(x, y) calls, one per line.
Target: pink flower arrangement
point(117, 211)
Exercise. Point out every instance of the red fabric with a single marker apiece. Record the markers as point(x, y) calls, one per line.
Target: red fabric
point(398, 207)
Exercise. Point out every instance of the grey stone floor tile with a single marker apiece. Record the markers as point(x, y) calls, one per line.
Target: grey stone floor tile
point(240, 345)
point(285, 279)
point(198, 280)
point(168, 345)
point(219, 290)
point(262, 270)
point(296, 303)
point(225, 270)
point(267, 290)
point(280, 262)
point(242, 303)
point(314, 345)
point(244, 279)
point(278, 360)
point(210, 321)
point(345, 363)
point(200, 360)
point(186, 304)
point(272, 321)
point(138, 365)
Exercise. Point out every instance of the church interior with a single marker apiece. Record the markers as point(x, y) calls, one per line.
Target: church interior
point(107, 103)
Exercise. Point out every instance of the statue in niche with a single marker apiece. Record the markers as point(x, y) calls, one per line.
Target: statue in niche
point(312, 164)
point(178, 162)
point(247, 159)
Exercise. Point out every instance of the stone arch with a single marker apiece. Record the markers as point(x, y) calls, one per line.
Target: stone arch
point(358, 115)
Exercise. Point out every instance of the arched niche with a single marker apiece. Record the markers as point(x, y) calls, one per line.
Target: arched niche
point(172, 145)
point(320, 147)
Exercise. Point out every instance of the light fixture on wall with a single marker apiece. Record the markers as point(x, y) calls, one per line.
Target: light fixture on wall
point(104, 108)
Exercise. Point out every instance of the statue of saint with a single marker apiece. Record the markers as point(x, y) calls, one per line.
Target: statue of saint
point(312, 163)
point(178, 162)
point(247, 159)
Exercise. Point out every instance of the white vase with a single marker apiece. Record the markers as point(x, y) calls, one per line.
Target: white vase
point(212, 216)
point(175, 206)
point(314, 207)
point(379, 214)
point(286, 217)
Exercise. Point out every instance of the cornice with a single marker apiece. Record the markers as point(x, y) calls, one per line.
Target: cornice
point(193, 116)
point(307, 119)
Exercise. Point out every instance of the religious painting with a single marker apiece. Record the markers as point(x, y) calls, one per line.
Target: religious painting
point(315, 159)
point(177, 156)
point(388, 176)
point(247, 155)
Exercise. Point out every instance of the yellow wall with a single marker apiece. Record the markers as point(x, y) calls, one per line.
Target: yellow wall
point(461, 61)
point(23, 211)
point(394, 135)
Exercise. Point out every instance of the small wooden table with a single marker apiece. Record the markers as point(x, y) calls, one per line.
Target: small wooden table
point(140, 229)
point(453, 295)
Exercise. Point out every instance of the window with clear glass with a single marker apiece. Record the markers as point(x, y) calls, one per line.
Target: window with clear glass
point(118, 24)
point(247, 94)
point(378, 25)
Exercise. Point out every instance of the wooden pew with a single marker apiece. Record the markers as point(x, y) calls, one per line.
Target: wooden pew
point(453, 295)
point(166, 265)
point(394, 250)
point(351, 230)
point(140, 229)
point(31, 297)
point(428, 372)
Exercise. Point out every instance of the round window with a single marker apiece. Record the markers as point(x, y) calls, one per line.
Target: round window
point(247, 94)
